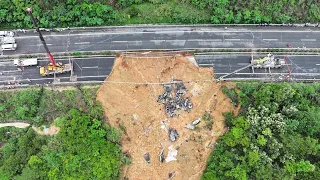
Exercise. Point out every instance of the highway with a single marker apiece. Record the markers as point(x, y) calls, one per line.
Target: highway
point(302, 66)
point(85, 69)
point(167, 38)
point(98, 68)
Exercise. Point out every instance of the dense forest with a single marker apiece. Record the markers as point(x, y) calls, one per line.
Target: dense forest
point(26, 155)
point(276, 135)
point(71, 13)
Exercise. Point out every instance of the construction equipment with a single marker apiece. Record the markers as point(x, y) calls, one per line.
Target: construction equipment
point(267, 62)
point(52, 68)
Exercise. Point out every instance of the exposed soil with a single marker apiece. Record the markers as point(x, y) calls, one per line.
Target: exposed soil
point(133, 107)
point(52, 130)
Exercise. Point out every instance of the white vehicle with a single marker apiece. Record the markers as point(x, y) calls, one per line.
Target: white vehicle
point(6, 34)
point(25, 62)
point(9, 47)
point(8, 40)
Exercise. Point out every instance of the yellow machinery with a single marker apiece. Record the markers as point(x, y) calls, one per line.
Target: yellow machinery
point(58, 69)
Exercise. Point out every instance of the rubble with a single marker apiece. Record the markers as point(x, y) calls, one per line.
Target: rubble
point(174, 101)
point(193, 124)
point(173, 135)
point(161, 155)
point(172, 154)
point(147, 157)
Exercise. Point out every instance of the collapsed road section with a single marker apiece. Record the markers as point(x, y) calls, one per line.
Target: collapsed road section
point(161, 145)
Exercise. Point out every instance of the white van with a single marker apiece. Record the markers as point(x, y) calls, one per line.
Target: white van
point(9, 47)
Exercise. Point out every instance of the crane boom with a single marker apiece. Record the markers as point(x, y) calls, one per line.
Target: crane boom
point(41, 37)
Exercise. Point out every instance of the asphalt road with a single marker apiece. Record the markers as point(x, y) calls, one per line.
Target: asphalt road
point(121, 39)
point(85, 69)
point(301, 67)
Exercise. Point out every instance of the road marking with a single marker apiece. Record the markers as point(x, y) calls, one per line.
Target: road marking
point(216, 40)
point(83, 43)
point(232, 39)
point(89, 67)
point(119, 41)
point(270, 39)
point(308, 40)
point(317, 64)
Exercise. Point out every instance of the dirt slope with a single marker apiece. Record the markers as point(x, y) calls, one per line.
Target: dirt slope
point(134, 108)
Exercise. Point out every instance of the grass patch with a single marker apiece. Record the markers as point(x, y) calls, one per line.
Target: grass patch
point(167, 12)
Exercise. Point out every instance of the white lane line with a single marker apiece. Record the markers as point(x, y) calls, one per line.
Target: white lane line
point(83, 43)
point(232, 39)
point(216, 40)
point(308, 40)
point(119, 41)
point(270, 39)
point(317, 64)
point(89, 67)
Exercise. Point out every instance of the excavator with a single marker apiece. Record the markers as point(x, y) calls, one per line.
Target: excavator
point(52, 68)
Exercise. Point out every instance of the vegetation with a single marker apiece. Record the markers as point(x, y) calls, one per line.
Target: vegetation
point(277, 136)
point(232, 94)
point(40, 105)
point(69, 13)
point(26, 155)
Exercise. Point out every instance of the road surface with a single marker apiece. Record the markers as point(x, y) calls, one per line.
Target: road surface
point(302, 66)
point(167, 38)
point(85, 69)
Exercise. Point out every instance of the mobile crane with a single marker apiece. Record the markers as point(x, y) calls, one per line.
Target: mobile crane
point(53, 67)
point(267, 62)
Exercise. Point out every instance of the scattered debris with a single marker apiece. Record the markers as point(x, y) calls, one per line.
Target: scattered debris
point(171, 175)
point(147, 130)
point(197, 121)
point(161, 156)
point(193, 124)
point(175, 101)
point(147, 157)
point(172, 154)
point(190, 126)
point(173, 134)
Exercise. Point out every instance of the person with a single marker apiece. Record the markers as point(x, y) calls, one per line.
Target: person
point(288, 45)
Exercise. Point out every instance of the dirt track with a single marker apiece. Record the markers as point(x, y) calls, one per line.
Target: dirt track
point(134, 109)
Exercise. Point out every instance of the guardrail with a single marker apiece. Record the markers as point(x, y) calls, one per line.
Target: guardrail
point(174, 25)
point(113, 53)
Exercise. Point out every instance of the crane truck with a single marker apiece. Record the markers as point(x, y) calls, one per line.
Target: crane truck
point(267, 62)
point(52, 68)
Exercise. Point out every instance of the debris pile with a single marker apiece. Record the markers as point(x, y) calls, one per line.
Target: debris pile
point(147, 157)
point(174, 101)
point(193, 124)
point(173, 135)
point(172, 154)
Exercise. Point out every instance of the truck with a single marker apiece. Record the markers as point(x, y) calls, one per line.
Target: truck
point(25, 62)
point(6, 34)
point(59, 68)
point(8, 43)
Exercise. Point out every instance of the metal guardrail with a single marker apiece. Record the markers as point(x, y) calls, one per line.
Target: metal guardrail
point(163, 25)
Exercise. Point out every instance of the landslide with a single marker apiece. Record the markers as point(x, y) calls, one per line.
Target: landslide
point(133, 108)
